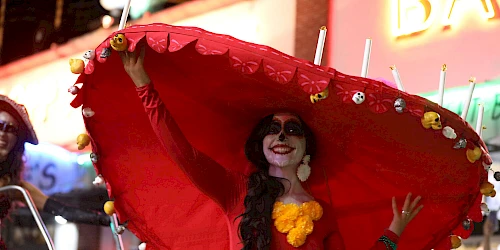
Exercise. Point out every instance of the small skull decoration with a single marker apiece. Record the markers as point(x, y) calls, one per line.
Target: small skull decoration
point(98, 180)
point(484, 208)
point(358, 97)
point(119, 42)
point(466, 224)
point(462, 143)
point(120, 229)
point(89, 55)
point(73, 90)
point(88, 112)
point(106, 52)
point(93, 157)
point(497, 176)
point(319, 96)
point(431, 120)
point(399, 105)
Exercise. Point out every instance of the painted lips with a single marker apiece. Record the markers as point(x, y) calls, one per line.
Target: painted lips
point(282, 149)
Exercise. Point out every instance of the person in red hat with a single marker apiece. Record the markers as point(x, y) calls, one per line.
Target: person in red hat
point(15, 130)
point(274, 209)
point(226, 158)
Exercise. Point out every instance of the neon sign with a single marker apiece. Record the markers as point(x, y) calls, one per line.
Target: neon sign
point(413, 16)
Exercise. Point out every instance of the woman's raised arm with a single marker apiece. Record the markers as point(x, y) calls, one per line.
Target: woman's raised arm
point(208, 176)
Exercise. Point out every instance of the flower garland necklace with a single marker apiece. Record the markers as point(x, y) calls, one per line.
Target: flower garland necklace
point(296, 221)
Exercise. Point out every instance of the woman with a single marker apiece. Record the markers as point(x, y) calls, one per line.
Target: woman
point(15, 130)
point(278, 145)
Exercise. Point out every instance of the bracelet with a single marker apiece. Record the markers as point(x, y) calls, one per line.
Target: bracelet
point(388, 243)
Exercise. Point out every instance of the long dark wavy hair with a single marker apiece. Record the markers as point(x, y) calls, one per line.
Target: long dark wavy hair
point(263, 189)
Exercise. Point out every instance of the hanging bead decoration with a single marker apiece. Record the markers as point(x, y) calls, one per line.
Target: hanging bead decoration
point(83, 140)
point(456, 242)
point(399, 105)
point(120, 229)
point(98, 180)
point(497, 176)
point(119, 42)
point(432, 120)
point(484, 208)
point(73, 90)
point(109, 208)
point(358, 97)
point(76, 65)
point(319, 96)
point(462, 143)
point(487, 189)
point(88, 112)
point(473, 154)
point(89, 55)
point(106, 52)
point(93, 157)
point(466, 224)
point(449, 132)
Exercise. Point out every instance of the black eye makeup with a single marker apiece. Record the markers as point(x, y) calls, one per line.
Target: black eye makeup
point(274, 128)
point(293, 128)
point(290, 128)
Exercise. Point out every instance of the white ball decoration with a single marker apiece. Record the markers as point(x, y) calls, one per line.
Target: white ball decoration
point(88, 112)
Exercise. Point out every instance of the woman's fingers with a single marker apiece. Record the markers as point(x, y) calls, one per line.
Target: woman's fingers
point(406, 205)
point(415, 203)
point(140, 60)
point(395, 209)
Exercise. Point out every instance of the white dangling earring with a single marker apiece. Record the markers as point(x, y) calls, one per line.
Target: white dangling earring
point(303, 171)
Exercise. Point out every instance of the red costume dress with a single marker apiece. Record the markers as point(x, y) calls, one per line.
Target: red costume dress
point(217, 88)
point(228, 188)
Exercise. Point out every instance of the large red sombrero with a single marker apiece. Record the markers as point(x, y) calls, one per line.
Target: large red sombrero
point(218, 87)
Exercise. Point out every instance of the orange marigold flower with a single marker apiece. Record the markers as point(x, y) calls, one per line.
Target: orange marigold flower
point(290, 211)
point(277, 209)
point(313, 209)
point(296, 237)
point(284, 225)
point(305, 223)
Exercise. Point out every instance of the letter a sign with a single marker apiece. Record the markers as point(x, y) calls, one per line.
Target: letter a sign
point(413, 16)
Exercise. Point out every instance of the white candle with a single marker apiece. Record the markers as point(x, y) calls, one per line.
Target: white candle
point(123, 20)
point(320, 46)
point(366, 57)
point(479, 122)
point(465, 109)
point(397, 79)
point(442, 80)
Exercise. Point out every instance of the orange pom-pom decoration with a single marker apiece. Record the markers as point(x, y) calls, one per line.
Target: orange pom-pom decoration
point(109, 207)
point(456, 242)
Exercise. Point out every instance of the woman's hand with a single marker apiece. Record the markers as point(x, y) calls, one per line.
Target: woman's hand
point(403, 217)
point(36, 194)
point(134, 65)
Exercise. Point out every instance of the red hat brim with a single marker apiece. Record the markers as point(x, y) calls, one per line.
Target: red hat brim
point(20, 113)
point(217, 88)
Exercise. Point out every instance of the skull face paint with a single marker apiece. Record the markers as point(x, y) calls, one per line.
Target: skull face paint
point(285, 143)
